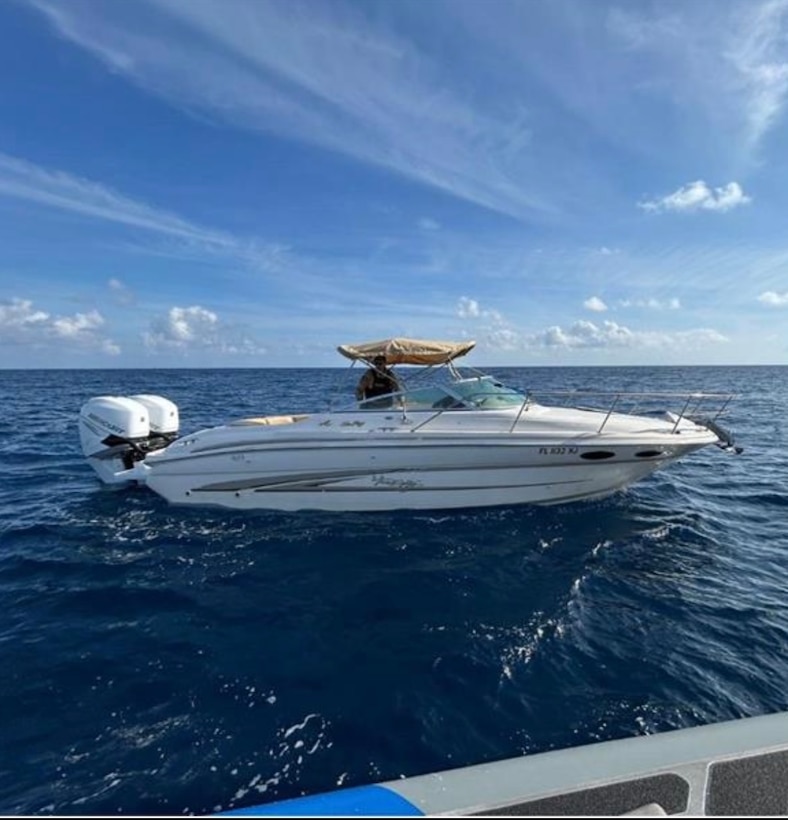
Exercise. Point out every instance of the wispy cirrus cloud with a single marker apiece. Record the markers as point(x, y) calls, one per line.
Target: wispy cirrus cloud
point(759, 55)
point(327, 73)
point(774, 299)
point(56, 189)
point(62, 191)
point(21, 323)
point(698, 196)
point(726, 61)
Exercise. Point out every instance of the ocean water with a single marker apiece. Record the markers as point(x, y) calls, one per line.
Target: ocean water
point(162, 660)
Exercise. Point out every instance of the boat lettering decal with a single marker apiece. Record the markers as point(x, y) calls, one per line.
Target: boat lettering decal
point(397, 483)
point(108, 424)
point(558, 451)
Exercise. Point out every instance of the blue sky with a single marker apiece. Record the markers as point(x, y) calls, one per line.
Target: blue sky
point(230, 183)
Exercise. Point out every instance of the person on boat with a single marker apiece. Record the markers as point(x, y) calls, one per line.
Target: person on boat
point(377, 381)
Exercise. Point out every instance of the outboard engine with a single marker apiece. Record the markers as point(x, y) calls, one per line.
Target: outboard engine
point(118, 432)
point(163, 417)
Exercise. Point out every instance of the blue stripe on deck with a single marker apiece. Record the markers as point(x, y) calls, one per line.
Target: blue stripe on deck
point(364, 801)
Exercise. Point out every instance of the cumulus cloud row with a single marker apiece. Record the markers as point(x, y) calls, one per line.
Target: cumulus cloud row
point(500, 334)
point(585, 334)
point(181, 330)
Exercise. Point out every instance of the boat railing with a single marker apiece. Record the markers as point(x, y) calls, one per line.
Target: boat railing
point(696, 406)
point(709, 406)
point(674, 405)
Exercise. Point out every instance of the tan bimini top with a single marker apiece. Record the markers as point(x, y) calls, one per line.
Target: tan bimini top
point(407, 351)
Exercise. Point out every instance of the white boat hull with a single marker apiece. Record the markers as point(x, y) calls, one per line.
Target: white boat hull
point(399, 469)
point(417, 490)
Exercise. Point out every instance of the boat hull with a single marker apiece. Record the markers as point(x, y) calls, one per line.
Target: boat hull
point(406, 473)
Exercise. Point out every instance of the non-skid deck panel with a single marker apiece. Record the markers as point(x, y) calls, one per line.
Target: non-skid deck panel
point(750, 786)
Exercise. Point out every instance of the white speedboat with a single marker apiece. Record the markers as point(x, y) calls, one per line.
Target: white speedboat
point(457, 441)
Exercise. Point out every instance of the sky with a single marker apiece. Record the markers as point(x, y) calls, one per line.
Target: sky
point(250, 183)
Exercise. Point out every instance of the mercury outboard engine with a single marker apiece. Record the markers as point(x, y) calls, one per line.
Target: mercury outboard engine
point(118, 432)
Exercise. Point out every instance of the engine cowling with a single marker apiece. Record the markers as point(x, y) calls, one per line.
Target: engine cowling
point(117, 433)
point(162, 414)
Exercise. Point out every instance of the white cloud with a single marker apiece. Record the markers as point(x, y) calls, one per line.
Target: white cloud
point(491, 325)
point(651, 304)
point(19, 314)
point(585, 334)
point(471, 309)
point(468, 308)
point(697, 196)
point(595, 304)
point(21, 323)
point(774, 299)
point(72, 327)
point(194, 328)
point(181, 327)
point(504, 338)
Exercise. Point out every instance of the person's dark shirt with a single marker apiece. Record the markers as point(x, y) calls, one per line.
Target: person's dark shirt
point(377, 381)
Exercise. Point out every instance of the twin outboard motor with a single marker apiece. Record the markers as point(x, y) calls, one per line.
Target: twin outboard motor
point(118, 432)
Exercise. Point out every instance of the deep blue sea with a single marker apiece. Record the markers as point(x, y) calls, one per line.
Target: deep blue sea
point(163, 660)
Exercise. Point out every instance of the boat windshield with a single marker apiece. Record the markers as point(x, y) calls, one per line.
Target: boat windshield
point(487, 393)
point(478, 393)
